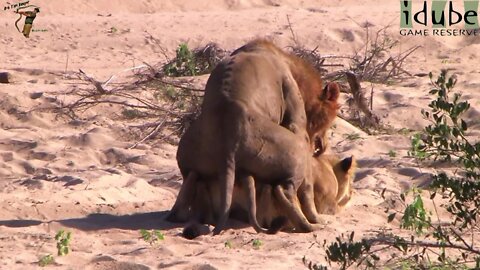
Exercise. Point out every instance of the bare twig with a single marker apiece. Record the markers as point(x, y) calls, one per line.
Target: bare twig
point(371, 99)
point(125, 70)
point(147, 97)
point(390, 241)
point(294, 37)
point(359, 99)
point(178, 85)
point(97, 84)
point(66, 66)
point(150, 135)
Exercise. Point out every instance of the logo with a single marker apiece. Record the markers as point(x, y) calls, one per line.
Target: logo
point(439, 18)
point(24, 9)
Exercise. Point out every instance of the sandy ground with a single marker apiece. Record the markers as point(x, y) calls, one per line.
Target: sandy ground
point(79, 175)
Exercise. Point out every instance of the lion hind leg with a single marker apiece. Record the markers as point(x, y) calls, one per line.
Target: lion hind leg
point(202, 212)
point(180, 211)
point(288, 200)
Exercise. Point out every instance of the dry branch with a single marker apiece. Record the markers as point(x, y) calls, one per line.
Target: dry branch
point(174, 103)
point(360, 102)
point(383, 240)
point(294, 37)
point(98, 85)
point(150, 135)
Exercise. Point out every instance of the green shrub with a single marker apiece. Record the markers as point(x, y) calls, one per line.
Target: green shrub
point(184, 63)
point(444, 139)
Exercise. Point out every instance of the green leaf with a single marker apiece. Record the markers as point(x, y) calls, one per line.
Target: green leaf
point(464, 125)
point(46, 260)
point(391, 217)
point(63, 240)
point(455, 132)
point(159, 235)
point(257, 243)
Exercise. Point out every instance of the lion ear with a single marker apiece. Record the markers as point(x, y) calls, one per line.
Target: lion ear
point(331, 92)
point(346, 164)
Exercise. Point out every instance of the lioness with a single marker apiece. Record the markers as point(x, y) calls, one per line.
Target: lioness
point(249, 98)
point(332, 180)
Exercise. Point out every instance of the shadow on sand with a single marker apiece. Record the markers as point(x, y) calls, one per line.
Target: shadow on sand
point(137, 221)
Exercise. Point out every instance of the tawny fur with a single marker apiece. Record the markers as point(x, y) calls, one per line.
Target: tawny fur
point(332, 182)
point(249, 99)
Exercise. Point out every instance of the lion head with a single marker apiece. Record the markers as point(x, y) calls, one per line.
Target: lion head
point(320, 116)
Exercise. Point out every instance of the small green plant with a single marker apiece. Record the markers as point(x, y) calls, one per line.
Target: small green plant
point(257, 243)
point(194, 62)
point(228, 244)
point(352, 136)
point(415, 217)
point(417, 148)
point(63, 242)
point(168, 93)
point(346, 252)
point(152, 236)
point(171, 93)
point(392, 153)
point(404, 131)
point(113, 30)
point(46, 260)
point(184, 64)
point(132, 113)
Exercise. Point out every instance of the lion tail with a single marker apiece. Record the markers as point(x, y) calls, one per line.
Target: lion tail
point(252, 205)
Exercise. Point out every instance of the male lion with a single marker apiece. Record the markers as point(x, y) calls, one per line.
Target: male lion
point(251, 98)
point(320, 106)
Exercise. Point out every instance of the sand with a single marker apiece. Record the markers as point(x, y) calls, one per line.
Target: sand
point(80, 176)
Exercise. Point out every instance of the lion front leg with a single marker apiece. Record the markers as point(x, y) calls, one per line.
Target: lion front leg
point(306, 196)
point(306, 192)
point(289, 202)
